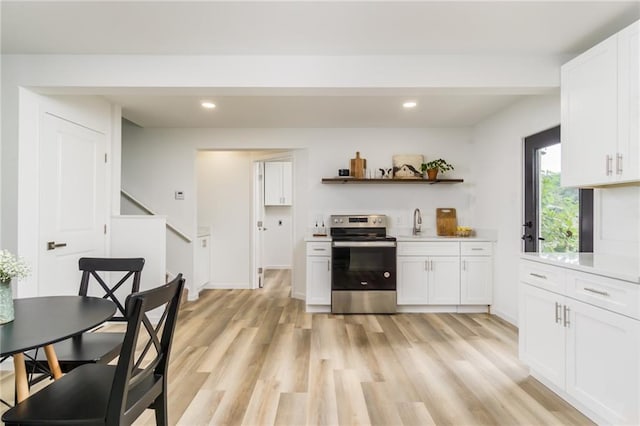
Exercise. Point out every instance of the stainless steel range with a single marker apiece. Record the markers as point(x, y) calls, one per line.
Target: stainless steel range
point(363, 265)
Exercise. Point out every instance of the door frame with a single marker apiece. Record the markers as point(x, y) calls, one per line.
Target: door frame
point(531, 194)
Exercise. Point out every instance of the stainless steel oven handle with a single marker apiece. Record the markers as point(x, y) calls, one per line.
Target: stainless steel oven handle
point(364, 244)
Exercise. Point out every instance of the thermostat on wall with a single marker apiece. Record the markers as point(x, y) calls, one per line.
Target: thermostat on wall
point(179, 195)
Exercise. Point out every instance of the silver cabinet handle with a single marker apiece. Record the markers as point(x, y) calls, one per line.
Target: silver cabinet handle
point(426, 265)
point(538, 276)
point(567, 312)
point(601, 293)
point(618, 163)
point(328, 265)
point(558, 314)
point(608, 165)
point(477, 248)
point(52, 245)
point(319, 249)
point(431, 265)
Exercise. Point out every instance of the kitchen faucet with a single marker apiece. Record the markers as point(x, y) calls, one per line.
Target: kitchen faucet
point(417, 221)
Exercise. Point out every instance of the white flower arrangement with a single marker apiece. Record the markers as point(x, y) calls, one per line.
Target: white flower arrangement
point(12, 267)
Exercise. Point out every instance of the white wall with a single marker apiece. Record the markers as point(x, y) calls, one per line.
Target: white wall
point(278, 237)
point(617, 221)
point(317, 153)
point(224, 185)
point(497, 172)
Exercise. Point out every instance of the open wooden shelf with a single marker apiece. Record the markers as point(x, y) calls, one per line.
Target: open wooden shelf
point(347, 180)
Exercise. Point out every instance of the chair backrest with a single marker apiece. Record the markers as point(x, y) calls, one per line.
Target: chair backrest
point(141, 372)
point(93, 266)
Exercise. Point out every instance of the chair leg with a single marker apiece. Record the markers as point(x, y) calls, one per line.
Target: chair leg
point(160, 407)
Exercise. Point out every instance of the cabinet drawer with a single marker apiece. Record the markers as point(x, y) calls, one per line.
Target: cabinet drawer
point(319, 249)
point(476, 248)
point(615, 295)
point(449, 248)
point(542, 275)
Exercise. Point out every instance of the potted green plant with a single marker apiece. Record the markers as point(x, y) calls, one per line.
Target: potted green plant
point(433, 167)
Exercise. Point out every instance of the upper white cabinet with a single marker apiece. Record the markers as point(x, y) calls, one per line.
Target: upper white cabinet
point(277, 183)
point(599, 113)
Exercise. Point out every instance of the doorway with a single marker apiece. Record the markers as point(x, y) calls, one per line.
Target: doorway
point(556, 219)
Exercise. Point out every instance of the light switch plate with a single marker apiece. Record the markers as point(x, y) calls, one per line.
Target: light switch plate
point(179, 195)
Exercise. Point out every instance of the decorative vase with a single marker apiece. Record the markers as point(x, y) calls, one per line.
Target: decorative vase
point(6, 302)
point(432, 174)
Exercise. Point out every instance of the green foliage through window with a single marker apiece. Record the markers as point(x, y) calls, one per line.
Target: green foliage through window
point(559, 215)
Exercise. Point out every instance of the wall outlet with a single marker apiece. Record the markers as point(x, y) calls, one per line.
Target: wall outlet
point(179, 195)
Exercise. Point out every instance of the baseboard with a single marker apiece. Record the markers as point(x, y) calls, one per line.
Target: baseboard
point(298, 295)
point(226, 286)
point(316, 309)
point(452, 309)
point(278, 267)
point(508, 318)
point(7, 364)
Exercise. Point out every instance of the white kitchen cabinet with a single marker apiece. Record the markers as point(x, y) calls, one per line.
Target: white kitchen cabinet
point(573, 338)
point(318, 273)
point(434, 273)
point(202, 274)
point(603, 371)
point(426, 280)
point(599, 113)
point(444, 280)
point(476, 275)
point(277, 183)
point(412, 280)
point(476, 280)
point(542, 334)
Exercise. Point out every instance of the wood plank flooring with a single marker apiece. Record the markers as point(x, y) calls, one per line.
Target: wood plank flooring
point(254, 357)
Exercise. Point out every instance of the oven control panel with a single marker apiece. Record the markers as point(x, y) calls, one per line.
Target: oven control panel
point(358, 221)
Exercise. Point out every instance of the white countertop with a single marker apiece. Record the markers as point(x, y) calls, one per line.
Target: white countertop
point(404, 238)
point(620, 267)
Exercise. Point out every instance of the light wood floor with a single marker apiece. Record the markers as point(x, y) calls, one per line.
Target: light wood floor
point(243, 357)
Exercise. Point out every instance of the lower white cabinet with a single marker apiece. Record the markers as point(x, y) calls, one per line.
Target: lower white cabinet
point(426, 280)
point(318, 273)
point(591, 355)
point(443, 277)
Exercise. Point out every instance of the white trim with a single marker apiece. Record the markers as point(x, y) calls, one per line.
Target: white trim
point(508, 318)
point(226, 286)
point(266, 268)
point(318, 309)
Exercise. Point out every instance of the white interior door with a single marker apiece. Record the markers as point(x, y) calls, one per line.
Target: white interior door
point(258, 225)
point(73, 200)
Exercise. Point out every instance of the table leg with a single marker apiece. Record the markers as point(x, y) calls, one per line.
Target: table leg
point(20, 371)
point(54, 366)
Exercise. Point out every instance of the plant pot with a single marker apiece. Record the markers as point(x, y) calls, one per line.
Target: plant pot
point(432, 174)
point(6, 302)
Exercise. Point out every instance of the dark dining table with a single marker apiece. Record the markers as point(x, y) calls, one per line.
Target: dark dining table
point(43, 321)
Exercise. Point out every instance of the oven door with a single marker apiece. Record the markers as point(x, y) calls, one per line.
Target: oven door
point(363, 265)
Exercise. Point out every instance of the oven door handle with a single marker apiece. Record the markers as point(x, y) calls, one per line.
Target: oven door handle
point(363, 244)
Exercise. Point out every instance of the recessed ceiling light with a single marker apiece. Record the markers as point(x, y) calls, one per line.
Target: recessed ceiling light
point(208, 104)
point(410, 104)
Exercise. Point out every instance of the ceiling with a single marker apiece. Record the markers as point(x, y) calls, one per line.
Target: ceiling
point(310, 28)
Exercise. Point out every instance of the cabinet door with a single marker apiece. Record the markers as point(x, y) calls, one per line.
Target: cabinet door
point(412, 280)
point(444, 280)
point(287, 186)
point(589, 116)
point(603, 362)
point(628, 157)
point(318, 280)
point(476, 280)
point(542, 333)
point(272, 184)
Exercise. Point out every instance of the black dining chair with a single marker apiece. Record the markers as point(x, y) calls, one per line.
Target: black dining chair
point(101, 347)
point(101, 394)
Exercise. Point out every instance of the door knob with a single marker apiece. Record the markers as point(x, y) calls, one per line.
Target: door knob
point(527, 237)
point(52, 245)
point(528, 224)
